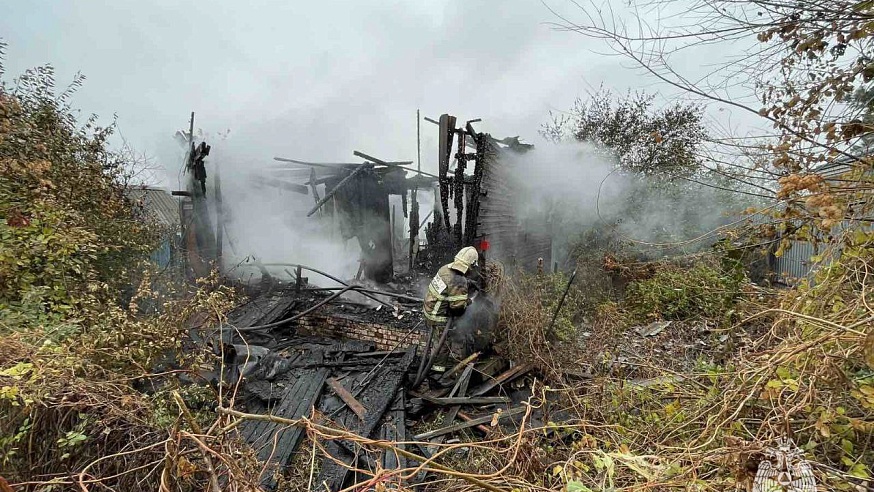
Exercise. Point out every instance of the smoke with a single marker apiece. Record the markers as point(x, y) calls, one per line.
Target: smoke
point(266, 223)
point(472, 331)
point(565, 190)
point(570, 189)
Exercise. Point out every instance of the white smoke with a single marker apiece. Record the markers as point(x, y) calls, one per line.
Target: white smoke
point(267, 225)
point(567, 189)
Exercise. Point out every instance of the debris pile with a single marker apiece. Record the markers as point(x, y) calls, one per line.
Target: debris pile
point(347, 384)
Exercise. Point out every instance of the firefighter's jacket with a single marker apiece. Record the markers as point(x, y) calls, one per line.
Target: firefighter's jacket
point(447, 293)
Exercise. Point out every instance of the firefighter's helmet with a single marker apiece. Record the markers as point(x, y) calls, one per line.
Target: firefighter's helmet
point(466, 258)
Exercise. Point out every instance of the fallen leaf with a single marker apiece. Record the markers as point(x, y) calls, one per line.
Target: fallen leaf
point(574, 486)
point(496, 417)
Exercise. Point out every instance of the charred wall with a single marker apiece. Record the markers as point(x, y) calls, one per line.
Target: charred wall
point(515, 244)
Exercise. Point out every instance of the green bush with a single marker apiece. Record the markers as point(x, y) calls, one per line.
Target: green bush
point(70, 241)
point(678, 292)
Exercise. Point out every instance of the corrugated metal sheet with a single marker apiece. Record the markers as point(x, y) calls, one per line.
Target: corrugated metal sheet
point(796, 263)
point(164, 207)
point(498, 221)
point(163, 255)
point(158, 203)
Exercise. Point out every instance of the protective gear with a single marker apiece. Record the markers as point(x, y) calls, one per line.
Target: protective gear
point(466, 258)
point(447, 294)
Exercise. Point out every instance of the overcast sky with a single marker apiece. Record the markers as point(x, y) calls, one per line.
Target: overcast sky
point(313, 80)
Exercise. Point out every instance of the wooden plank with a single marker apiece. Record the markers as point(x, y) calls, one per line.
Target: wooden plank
point(377, 397)
point(347, 397)
point(380, 161)
point(503, 378)
point(462, 400)
point(275, 443)
point(463, 383)
point(464, 425)
point(458, 367)
point(395, 430)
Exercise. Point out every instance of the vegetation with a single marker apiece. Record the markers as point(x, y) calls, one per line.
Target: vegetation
point(661, 142)
point(688, 407)
point(683, 292)
point(71, 242)
point(73, 344)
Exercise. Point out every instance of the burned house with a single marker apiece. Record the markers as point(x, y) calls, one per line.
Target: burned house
point(473, 197)
point(477, 200)
point(354, 356)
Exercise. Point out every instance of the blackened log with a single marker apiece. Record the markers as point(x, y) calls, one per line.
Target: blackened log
point(503, 378)
point(338, 187)
point(464, 425)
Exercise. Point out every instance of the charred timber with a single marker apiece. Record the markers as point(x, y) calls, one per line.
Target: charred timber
point(338, 187)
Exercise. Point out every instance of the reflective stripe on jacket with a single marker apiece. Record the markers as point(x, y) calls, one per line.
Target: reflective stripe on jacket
point(446, 292)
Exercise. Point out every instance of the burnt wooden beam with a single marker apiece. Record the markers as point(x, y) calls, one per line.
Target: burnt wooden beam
point(444, 149)
point(333, 165)
point(507, 376)
point(380, 161)
point(334, 190)
point(347, 398)
point(471, 423)
point(460, 391)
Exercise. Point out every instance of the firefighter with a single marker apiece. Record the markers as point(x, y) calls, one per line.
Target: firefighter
point(450, 290)
point(449, 294)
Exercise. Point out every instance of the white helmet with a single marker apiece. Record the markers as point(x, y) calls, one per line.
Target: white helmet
point(465, 259)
